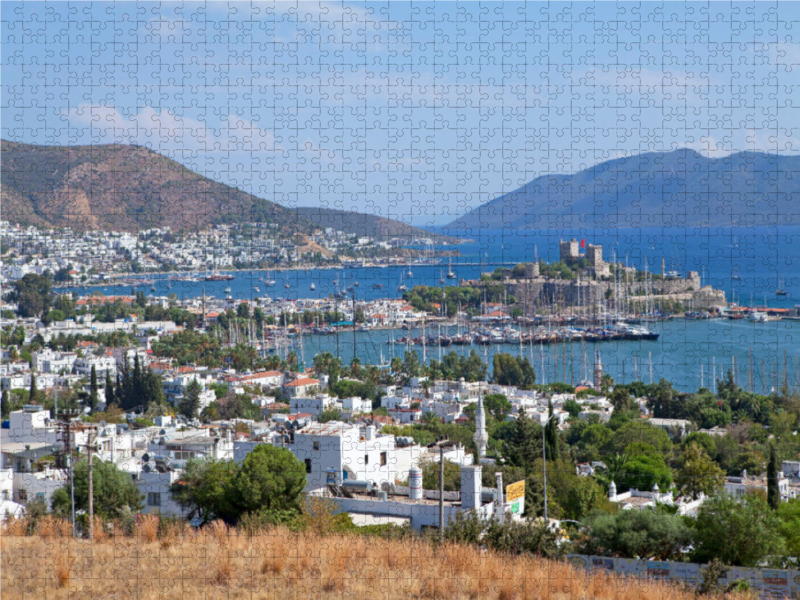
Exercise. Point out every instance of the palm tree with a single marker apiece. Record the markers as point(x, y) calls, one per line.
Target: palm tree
point(431, 420)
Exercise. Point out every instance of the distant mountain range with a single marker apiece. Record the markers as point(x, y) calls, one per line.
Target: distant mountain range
point(365, 224)
point(681, 188)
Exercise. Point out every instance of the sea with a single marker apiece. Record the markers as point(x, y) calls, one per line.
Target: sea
point(748, 264)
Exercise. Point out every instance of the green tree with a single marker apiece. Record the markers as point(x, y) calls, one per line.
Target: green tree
point(93, 396)
point(5, 406)
point(523, 537)
point(202, 489)
point(789, 515)
point(636, 534)
point(33, 295)
point(190, 403)
point(243, 310)
point(113, 490)
point(523, 446)
point(644, 468)
point(773, 491)
point(513, 370)
point(270, 478)
point(332, 414)
point(430, 475)
point(497, 405)
point(698, 473)
point(739, 531)
point(638, 431)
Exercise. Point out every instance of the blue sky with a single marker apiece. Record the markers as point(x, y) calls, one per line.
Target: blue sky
point(414, 111)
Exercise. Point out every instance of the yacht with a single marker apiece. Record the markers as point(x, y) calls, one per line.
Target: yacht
point(313, 287)
point(780, 291)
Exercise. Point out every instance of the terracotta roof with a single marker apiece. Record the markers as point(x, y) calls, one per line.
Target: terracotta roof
point(302, 381)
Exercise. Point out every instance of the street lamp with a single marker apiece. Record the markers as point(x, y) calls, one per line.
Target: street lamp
point(544, 466)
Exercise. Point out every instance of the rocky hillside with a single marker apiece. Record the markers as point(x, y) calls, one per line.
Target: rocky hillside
point(124, 188)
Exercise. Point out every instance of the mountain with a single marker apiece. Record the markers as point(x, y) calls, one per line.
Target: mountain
point(365, 224)
point(657, 189)
point(124, 188)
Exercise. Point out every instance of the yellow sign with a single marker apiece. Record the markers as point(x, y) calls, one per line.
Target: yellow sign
point(515, 491)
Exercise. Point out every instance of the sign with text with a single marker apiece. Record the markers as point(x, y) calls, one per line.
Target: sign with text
point(515, 491)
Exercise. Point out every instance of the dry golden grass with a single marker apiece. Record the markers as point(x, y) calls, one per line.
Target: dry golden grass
point(219, 562)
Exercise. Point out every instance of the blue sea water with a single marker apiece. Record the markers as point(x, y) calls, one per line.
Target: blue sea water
point(764, 259)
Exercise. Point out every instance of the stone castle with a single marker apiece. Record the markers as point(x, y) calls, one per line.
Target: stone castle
point(596, 282)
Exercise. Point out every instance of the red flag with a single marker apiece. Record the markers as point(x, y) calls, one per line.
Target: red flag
point(583, 243)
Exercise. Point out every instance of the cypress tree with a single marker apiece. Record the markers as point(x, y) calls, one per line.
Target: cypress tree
point(773, 491)
point(5, 405)
point(34, 392)
point(109, 390)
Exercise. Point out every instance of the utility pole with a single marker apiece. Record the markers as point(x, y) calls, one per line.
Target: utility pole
point(441, 492)
point(544, 468)
point(90, 450)
point(354, 325)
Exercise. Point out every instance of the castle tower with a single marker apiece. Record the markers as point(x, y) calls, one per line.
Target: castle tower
point(481, 438)
point(568, 251)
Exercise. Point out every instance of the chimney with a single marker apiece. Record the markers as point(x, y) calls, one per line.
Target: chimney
point(499, 507)
point(470, 487)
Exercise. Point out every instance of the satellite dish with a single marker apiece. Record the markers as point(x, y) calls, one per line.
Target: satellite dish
point(146, 457)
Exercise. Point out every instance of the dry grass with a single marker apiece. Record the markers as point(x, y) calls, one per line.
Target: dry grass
point(218, 562)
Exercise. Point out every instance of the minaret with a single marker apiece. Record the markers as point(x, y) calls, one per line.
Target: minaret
point(612, 491)
point(598, 370)
point(480, 437)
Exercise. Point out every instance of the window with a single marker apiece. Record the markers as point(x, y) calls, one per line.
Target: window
point(308, 465)
point(40, 496)
point(316, 445)
point(383, 459)
point(366, 459)
point(153, 498)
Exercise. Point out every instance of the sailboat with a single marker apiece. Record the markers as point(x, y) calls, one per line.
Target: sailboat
point(450, 274)
point(269, 281)
point(286, 285)
point(780, 291)
point(441, 276)
point(735, 275)
point(402, 287)
point(409, 274)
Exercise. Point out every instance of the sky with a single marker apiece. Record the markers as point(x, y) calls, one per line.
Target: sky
point(414, 111)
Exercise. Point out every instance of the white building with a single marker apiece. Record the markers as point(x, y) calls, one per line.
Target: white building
point(739, 486)
point(315, 405)
point(155, 487)
point(354, 453)
point(29, 425)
